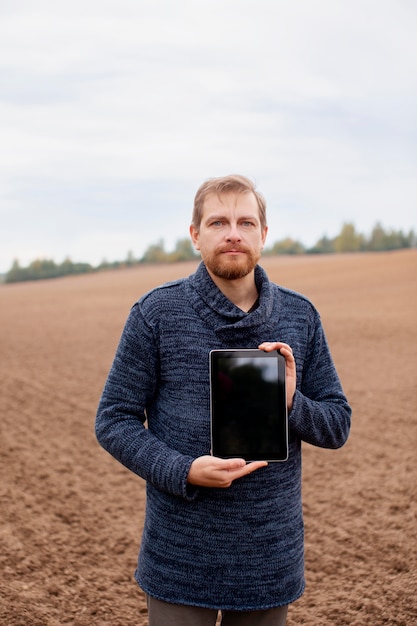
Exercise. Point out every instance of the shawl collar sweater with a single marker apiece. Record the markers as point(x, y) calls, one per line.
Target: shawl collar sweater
point(240, 548)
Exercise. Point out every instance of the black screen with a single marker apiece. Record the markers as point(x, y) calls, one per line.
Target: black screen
point(248, 405)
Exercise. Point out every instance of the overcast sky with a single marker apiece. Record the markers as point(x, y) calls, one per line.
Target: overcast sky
point(112, 112)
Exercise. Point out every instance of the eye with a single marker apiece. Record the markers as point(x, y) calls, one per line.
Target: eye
point(247, 224)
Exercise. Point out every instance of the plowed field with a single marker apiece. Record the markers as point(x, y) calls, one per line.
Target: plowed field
point(71, 517)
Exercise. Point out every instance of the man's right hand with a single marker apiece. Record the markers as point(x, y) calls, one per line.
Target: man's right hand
point(211, 471)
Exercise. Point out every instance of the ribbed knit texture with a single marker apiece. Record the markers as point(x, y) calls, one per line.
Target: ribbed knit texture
point(238, 548)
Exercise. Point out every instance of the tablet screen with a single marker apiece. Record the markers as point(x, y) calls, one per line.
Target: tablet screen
point(248, 405)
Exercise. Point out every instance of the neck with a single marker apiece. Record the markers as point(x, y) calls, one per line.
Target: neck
point(241, 291)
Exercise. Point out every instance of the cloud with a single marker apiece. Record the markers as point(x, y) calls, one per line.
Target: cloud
point(113, 113)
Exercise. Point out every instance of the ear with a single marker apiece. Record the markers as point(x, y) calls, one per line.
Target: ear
point(264, 234)
point(194, 234)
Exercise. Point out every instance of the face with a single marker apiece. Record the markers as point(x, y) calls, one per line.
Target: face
point(230, 238)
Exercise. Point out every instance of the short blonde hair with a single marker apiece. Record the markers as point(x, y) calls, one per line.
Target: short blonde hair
point(225, 184)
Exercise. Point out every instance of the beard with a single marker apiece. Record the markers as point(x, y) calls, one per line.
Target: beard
point(231, 267)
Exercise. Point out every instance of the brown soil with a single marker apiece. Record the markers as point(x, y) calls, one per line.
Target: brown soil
point(72, 516)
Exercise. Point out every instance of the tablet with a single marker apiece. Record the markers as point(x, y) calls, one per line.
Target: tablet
point(248, 405)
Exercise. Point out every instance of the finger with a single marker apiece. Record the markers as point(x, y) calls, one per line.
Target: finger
point(269, 346)
point(255, 465)
point(229, 464)
point(249, 468)
point(286, 351)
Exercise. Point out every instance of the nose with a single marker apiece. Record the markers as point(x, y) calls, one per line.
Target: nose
point(233, 235)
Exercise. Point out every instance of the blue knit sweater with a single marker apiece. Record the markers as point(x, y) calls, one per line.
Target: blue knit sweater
point(239, 548)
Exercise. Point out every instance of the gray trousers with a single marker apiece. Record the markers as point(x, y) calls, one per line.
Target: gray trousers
point(166, 614)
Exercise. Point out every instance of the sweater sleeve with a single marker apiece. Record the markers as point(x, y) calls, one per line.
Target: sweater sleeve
point(320, 414)
point(121, 415)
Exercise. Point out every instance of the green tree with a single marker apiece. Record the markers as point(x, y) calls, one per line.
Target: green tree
point(155, 253)
point(348, 240)
point(377, 240)
point(66, 267)
point(42, 268)
point(15, 273)
point(323, 246)
point(286, 246)
point(389, 240)
point(130, 259)
point(184, 251)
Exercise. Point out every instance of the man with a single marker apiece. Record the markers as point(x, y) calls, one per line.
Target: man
point(219, 534)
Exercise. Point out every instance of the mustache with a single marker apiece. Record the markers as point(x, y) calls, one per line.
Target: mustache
point(234, 248)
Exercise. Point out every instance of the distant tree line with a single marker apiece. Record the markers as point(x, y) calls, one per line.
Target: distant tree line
point(348, 240)
point(47, 268)
point(44, 268)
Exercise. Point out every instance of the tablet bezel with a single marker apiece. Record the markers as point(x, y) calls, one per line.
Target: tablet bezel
point(280, 427)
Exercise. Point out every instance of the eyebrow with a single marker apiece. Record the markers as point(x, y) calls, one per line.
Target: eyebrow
point(218, 216)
